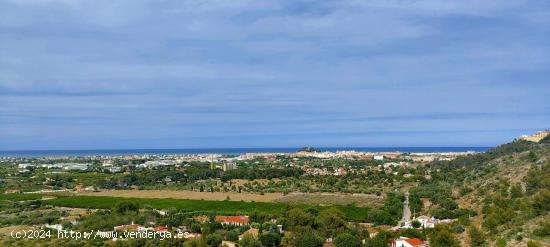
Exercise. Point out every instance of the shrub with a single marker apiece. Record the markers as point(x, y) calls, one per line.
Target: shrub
point(347, 240)
point(543, 230)
point(270, 239)
point(214, 239)
point(123, 207)
point(477, 238)
point(533, 243)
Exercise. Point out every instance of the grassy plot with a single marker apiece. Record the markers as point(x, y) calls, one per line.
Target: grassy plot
point(20, 197)
point(229, 207)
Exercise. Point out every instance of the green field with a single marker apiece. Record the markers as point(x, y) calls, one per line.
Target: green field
point(221, 207)
point(20, 197)
point(228, 207)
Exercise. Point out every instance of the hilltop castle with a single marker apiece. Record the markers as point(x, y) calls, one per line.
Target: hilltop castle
point(536, 137)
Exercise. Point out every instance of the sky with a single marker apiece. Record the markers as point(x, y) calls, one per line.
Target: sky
point(245, 73)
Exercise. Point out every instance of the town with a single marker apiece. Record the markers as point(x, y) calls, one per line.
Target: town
point(304, 198)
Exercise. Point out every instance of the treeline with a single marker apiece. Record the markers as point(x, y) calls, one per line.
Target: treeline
point(482, 159)
point(266, 173)
point(158, 176)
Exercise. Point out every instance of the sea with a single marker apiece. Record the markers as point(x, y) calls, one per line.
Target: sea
point(225, 151)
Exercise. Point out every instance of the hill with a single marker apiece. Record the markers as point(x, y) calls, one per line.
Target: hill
point(508, 188)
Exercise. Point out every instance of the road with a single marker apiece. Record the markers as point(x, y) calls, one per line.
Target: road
point(406, 209)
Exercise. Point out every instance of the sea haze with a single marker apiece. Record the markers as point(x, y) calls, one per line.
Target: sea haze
point(226, 151)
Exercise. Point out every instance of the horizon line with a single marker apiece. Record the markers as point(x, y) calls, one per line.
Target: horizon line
point(233, 148)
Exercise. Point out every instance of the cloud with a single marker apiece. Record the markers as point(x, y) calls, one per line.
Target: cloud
point(181, 70)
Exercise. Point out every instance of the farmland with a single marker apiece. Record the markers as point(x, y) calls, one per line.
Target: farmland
point(20, 197)
point(192, 195)
point(187, 205)
point(220, 207)
point(361, 200)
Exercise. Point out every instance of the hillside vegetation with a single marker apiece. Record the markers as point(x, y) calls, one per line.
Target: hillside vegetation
point(508, 188)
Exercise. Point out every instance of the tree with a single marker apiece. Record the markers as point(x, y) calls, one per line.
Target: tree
point(195, 242)
point(214, 239)
point(443, 237)
point(416, 224)
point(347, 240)
point(331, 220)
point(308, 239)
point(298, 217)
point(123, 207)
point(270, 239)
point(232, 235)
point(250, 241)
point(541, 201)
point(477, 238)
point(381, 217)
point(195, 227)
point(380, 240)
point(532, 156)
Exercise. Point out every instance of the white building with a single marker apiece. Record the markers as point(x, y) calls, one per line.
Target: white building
point(75, 166)
point(426, 222)
point(107, 163)
point(408, 242)
point(114, 169)
point(57, 227)
point(25, 166)
point(228, 166)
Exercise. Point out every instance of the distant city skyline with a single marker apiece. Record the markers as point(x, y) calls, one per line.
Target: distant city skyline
point(145, 74)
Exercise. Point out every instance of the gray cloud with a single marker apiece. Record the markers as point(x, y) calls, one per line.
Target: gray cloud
point(181, 70)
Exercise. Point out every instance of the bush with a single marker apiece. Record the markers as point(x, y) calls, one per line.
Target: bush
point(501, 242)
point(533, 243)
point(347, 240)
point(232, 235)
point(270, 239)
point(477, 238)
point(543, 230)
point(541, 201)
point(250, 241)
point(214, 239)
point(123, 207)
point(443, 237)
point(308, 239)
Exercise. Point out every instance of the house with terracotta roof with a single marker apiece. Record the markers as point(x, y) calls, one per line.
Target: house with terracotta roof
point(240, 220)
point(408, 242)
point(161, 229)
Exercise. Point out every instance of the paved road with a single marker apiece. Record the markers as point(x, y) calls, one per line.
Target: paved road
point(406, 209)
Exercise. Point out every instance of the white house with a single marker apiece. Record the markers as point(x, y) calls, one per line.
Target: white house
point(57, 227)
point(426, 222)
point(408, 242)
